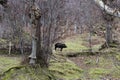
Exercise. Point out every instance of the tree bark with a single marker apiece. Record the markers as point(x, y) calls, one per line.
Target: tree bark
point(41, 50)
point(34, 20)
point(107, 9)
point(41, 53)
point(109, 13)
point(33, 54)
point(10, 47)
point(109, 33)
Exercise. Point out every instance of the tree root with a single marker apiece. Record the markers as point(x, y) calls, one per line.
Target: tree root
point(113, 44)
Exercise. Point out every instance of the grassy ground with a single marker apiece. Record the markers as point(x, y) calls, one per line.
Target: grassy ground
point(95, 67)
point(65, 69)
point(7, 62)
point(61, 68)
point(81, 67)
point(79, 43)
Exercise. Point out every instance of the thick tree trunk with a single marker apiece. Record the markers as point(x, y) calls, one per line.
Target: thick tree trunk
point(41, 50)
point(33, 16)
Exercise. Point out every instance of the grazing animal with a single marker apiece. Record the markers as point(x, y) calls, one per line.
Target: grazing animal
point(60, 45)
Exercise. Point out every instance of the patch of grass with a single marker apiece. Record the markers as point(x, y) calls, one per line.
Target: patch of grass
point(79, 43)
point(96, 47)
point(2, 52)
point(58, 70)
point(61, 69)
point(98, 72)
point(118, 57)
point(8, 62)
point(66, 70)
point(104, 62)
point(74, 44)
point(89, 62)
point(29, 73)
point(115, 73)
point(3, 41)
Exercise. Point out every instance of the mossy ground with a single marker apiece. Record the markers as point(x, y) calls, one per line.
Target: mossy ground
point(58, 70)
point(83, 67)
point(100, 66)
point(66, 70)
point(7, 62)
point(29, 73)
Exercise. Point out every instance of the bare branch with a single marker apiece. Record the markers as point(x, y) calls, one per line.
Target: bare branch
point(107, 9)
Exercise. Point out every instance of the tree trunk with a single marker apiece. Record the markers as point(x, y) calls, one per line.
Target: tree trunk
point(41, 51)
point(108, 33)
point(90, 39)
point(21, 45)
point(107, 9)
point(33, 54)
point(10, 47)
point(75, 28)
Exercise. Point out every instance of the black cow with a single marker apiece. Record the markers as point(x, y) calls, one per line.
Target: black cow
point(60, 45)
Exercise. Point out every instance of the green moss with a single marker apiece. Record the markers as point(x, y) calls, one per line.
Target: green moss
point(3, 41)
point(118, 57)
point(29, 73)
point(3, 52)
point(115, 73)
point(88, 62)
point(66, 70)
point(98, 72)
point(8, 62)
point(74, 44)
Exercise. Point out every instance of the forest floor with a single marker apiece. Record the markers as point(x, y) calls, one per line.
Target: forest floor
point(73, 63)
point(101, 65)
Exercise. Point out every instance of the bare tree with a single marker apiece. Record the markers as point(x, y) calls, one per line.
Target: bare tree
point(44, 18)
point(109, 14)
